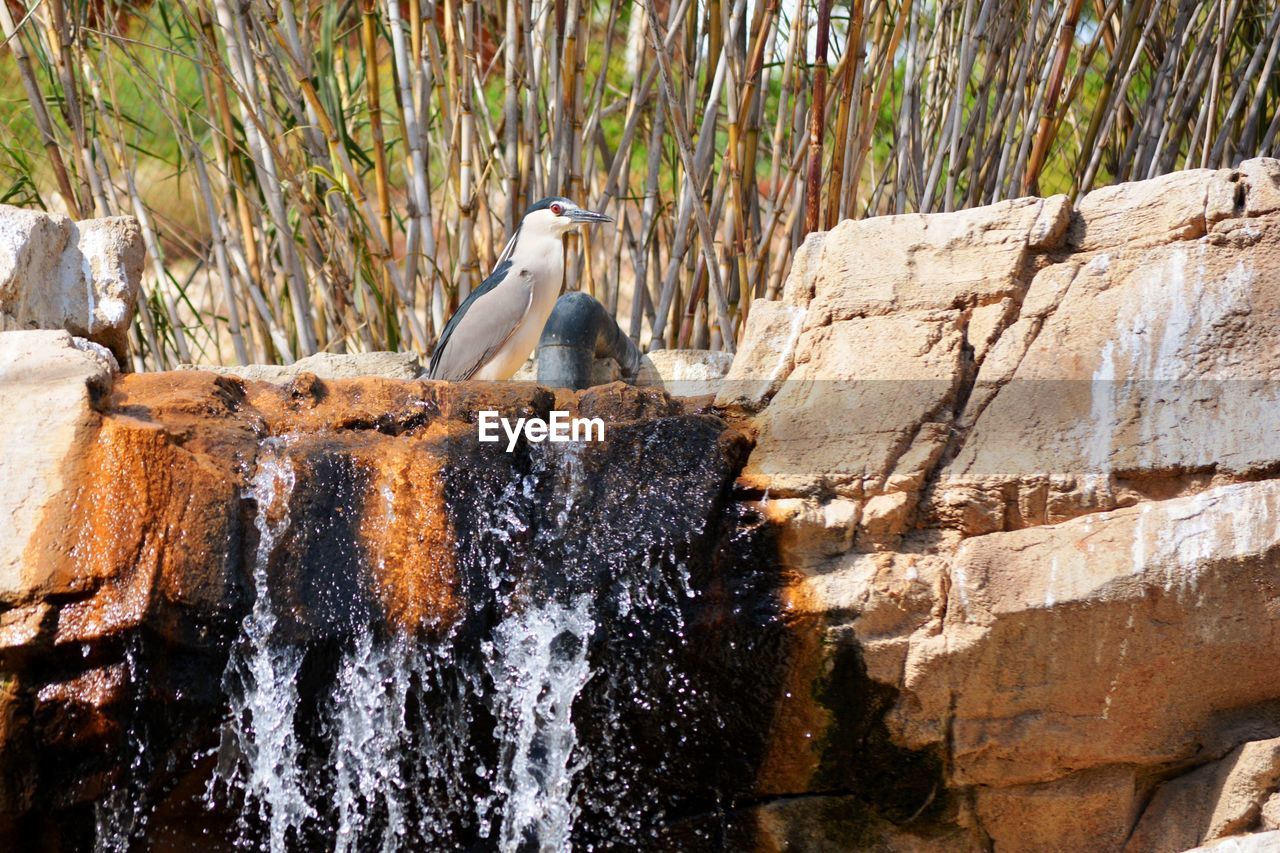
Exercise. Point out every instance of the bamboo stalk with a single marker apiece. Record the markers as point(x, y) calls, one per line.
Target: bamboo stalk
point(511, 115)
point(817, 115)
point(38, 110)
point(373, 92)
point(686, 156)
point(1044, 134)
point(420, 232)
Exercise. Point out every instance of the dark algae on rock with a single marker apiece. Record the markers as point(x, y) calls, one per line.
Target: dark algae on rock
point(375, 632)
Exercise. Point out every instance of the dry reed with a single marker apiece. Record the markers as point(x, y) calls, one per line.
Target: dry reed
point(346, 173)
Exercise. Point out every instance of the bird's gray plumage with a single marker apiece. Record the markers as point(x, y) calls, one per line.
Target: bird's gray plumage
point(491, 326)
point(496, 327)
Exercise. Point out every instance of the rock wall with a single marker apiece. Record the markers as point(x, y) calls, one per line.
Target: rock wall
point(1022, 461)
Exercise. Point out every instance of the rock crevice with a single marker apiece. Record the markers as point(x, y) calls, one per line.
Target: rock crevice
point(1055, 533)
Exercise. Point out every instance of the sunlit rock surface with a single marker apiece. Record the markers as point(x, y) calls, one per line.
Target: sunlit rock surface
point(327, 365)
point(47, 389)
point(1023, 457)
point(83, 277)
point(684, 373)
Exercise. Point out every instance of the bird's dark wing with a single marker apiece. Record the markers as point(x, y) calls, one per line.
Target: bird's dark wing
point(480, 331)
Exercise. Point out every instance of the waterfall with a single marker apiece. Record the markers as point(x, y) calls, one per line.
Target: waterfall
point(262, 674)
point(537, 660)
point(538, 664)
point(532, 666)
point(547, 717)
point(367, 708)
point(121, 817)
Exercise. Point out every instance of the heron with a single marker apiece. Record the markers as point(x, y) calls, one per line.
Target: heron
point(496, 328)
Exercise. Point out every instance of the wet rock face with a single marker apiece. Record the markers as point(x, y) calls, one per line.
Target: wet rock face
point(272, 612)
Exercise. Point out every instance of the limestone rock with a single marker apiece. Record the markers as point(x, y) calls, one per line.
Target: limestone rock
point(1153, 374)
point(1107, 616)
point(765, 357)
point(1049, 229)
point(1065, 497)
point(79, 276)
point(914, 466)
point(47, 417)
point(883, 598)
point(684, 373)
point(926, 261)
point(986, 323)
point(77, 713)
point(885, 516)
point(1170, 207)
point(893, 305)
point(809, 532)
point(150, 528)
point(1089, 811)
point(860, 391)
point(797, 290)
point(1002, 357)
point(1261, 842)
point(22, 626)
point(1261, 177)
point(1219, 799)
point(99, 353)
point(1270, 813)
point(326, 365)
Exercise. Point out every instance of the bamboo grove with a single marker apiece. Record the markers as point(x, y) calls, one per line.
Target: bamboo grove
point(338, 176)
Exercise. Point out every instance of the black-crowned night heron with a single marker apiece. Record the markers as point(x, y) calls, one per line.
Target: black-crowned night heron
point(496, 328)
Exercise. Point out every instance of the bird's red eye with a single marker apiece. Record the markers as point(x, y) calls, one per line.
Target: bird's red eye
point(557, 209)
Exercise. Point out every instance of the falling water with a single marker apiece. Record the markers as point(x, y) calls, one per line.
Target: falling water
point(545, 719)
point(538, 663)
point(262, 674)
point(368, 702)
point(121, 817)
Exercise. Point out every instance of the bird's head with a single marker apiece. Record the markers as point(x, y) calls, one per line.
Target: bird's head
point(558, 215)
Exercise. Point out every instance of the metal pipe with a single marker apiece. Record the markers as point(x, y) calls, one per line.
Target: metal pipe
point(578, 332)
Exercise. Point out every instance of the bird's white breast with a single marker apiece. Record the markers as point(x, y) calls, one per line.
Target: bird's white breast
point(536, 266)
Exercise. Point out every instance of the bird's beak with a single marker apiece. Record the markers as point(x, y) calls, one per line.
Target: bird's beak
point(587, 217)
